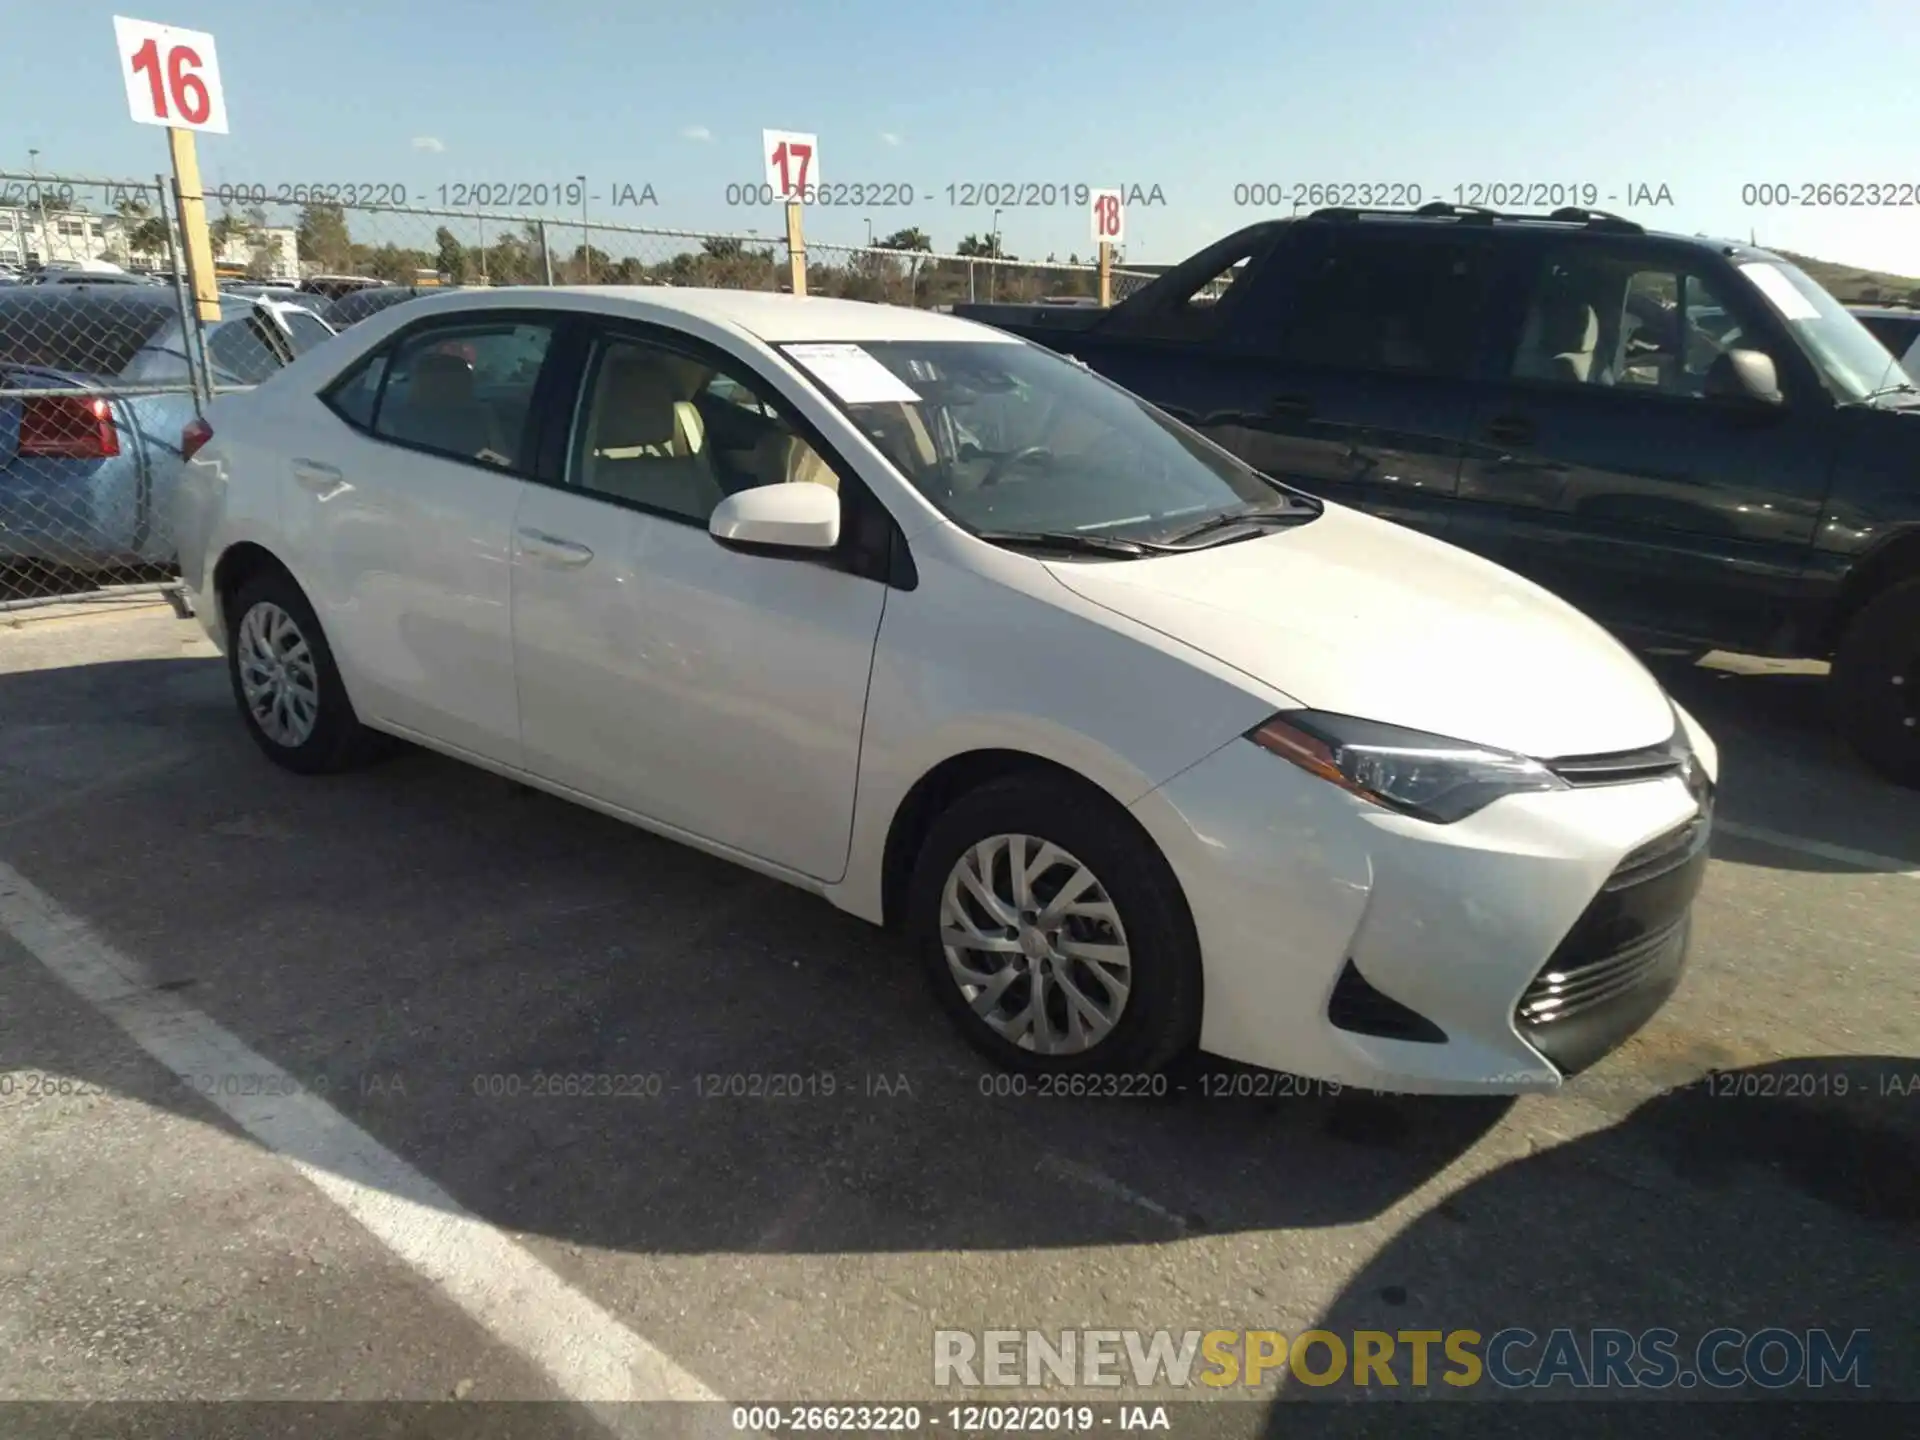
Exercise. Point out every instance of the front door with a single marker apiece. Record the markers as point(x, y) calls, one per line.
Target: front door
point(717, 692)
point(1619, 469)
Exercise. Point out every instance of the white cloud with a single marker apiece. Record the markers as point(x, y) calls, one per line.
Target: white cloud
point(431, 143)
point(696, 132)
point(890, 138)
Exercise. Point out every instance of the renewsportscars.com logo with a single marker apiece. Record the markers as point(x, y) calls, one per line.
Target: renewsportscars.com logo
point(1598, 1358)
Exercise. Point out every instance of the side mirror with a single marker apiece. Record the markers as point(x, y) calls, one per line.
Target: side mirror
point(1745, 375)
point(795, 516)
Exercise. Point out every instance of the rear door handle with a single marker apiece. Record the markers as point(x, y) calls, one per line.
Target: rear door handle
point(322, 479)
point(553, 549)
point(1290, 407)
point(1510, 430)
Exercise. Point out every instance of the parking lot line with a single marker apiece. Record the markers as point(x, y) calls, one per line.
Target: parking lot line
point(1845, 854)
point(590, 1355)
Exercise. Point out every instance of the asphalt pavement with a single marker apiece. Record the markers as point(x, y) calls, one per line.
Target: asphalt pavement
point(413, 1084)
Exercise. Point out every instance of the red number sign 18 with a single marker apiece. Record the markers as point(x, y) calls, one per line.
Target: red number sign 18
point(1109, 217)
point(793, 163)
point(172, 76)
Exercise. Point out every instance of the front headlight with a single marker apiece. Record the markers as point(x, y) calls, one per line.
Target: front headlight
point(1428, 776)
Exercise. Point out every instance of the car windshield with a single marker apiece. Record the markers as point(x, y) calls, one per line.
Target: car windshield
point(1855, 366)
point(1011, 437)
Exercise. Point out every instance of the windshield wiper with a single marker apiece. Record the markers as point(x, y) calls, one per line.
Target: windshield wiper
point(1076, 542)
point(1292, 515)
point(1896, 388)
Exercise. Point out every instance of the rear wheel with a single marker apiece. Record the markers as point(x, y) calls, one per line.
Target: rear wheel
point(1054, 932)
point(285, 682)
point(1876, 682)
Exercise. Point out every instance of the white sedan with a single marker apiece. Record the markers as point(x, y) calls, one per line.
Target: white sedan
point(1143, 750)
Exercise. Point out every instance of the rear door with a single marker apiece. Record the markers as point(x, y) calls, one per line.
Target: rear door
point(1358, 372)
point(1604, 469)
point(397, 506)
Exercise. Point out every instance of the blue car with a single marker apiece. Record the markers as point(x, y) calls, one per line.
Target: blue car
point(86, 480)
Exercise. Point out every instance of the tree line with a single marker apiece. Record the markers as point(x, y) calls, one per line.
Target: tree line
point(520, 255)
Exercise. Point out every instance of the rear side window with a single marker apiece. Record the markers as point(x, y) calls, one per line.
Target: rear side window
point(1388, 302)
point(240, 351)
point(464, 390)
point(354, 398)
point(83, 334)
point(306, 330)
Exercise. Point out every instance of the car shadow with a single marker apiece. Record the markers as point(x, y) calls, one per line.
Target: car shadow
point(578, 1030)
point(1782, 1195)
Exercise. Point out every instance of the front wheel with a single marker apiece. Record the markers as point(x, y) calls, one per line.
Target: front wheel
point(285, 682)
point(1054, 932)
point(1876, 683)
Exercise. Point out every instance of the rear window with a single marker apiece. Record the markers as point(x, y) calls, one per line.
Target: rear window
point(82, 334)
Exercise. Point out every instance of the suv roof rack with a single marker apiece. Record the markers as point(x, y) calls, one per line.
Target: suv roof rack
point(1482, 215)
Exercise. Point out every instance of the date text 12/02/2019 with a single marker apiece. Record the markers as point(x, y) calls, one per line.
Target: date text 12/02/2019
point(1473, 194)
point(455, 195)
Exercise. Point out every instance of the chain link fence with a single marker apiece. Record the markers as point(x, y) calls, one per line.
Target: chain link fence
point(104, 362)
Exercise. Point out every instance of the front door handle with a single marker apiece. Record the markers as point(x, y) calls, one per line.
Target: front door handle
point(553, 549)
point(1510, 430)
point(322, 479)
point(1290, 407)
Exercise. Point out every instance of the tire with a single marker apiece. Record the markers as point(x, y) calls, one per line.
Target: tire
point(334, 739)
point(1876, 683)
point(1156, 1023)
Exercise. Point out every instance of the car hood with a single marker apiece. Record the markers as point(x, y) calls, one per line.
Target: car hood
point(1359, 616)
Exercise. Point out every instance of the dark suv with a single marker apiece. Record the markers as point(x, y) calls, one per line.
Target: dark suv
point(1689, 438)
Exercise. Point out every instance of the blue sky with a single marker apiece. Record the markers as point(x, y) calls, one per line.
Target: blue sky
point(1700, 96)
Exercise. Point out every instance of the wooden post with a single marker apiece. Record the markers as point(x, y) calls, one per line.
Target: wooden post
point(796, 249)
point(1106, 273)
point(195, 240)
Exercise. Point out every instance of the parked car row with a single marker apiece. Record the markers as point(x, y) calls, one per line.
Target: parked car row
point(1687, 438)
point(1143, 748)
point(86, 479)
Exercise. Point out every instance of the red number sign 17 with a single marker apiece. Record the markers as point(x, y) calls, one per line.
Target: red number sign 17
point(793, 163)
point(172, 76)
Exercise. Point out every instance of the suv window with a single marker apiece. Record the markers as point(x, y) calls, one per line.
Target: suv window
point(462, 390)
point(1656, 327)
point(1378, 301)
point(676, 434)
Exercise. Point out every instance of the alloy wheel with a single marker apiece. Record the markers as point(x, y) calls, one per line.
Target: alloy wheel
point(1035, 943)
point(277, 675)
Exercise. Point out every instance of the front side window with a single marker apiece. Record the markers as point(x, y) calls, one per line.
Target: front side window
point(463, 390)
point(676, 434)
point(1008, 436)
point(1630, 324)
point(1388, 302)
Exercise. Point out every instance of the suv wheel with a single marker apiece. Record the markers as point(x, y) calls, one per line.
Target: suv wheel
point(1876, 682)
point(285, 682)
point(1054, 931)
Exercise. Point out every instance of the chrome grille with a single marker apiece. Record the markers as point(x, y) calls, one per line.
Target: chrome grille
point(1557, 993)
point(1621, 767)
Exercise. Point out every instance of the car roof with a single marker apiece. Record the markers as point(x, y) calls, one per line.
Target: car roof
point(1886, 312)
point(767, 315)
point(1489, 223)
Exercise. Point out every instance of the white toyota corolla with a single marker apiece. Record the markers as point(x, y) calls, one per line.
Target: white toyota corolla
point(1141, 748)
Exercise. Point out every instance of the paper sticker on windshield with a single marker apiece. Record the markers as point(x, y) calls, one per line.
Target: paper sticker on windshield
point(1772, 282)
point(852, 374)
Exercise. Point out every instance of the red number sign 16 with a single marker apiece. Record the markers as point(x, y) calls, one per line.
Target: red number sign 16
point(172, 76)
point(182, 81)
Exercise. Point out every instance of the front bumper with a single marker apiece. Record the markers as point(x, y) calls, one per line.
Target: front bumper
point(1497, 954)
